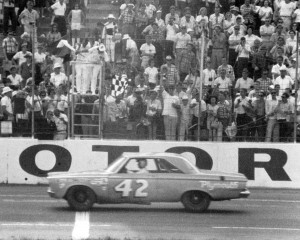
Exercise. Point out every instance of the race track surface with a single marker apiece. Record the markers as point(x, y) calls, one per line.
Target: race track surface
point(27, 212)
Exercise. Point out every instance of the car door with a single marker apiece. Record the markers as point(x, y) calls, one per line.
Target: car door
point(129, 186)
point(169, 181)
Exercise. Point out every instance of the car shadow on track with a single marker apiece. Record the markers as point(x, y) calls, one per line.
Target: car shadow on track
point(118, 209)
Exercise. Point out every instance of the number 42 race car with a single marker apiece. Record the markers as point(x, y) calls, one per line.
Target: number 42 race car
point(144, 178)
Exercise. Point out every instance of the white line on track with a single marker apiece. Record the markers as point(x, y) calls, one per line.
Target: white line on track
point(43, 224)
point(81, 228)
point(31, 200)
point(260, 228)
point(268, 200)
point(24, 195)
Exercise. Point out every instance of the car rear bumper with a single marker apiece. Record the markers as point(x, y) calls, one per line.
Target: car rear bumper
point(245, 193)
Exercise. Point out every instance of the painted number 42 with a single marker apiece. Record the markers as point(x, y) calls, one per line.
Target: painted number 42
point(125, 188)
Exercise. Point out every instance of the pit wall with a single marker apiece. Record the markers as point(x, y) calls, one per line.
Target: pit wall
point(27, 161)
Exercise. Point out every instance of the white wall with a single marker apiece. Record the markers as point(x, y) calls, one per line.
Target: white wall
point(229, 157)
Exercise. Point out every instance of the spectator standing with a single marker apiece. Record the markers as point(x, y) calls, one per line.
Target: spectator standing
point(151, 74)
point(243, 50)
point(180, 43)
point(26, 70)
point(61, 121)
point(260, 61)
point(172, 75)
point(127, 18)
point(265, 12)
point(46, 85)
point(283, 111)
point(209, 75)
point(59, 9)
point(219, 42)
point(57, 77)
point(244, 82)
point(148, 51)
point(243, 120)
point(108, 36)
point(283, 80)
point(223, 83)
point(234, 40)
point(14, 78)
point(259, 107)
point(248, 11)
point(153, 113)
point(272, 125)
point(228, 69)
point(9, 13)
point(185, 118)
point(212, 111)
point(10, 46)
point(171, 104)
point(6, 104)
point(266, 32)
point(215, 19)
point(186, 61)
point(264, 82)
point(76, 19)
point(286, 9)
point(172, 14)
point(53, 36)
point(28, 18)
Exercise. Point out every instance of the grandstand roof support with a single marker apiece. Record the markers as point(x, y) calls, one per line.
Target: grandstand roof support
point(296, 89)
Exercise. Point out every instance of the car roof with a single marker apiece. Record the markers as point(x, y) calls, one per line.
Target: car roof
point(152, 154)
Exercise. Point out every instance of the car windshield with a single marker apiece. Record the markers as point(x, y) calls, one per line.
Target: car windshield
point(115, 164)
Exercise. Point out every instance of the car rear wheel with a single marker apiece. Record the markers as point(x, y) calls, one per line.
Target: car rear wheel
point(81, 198)
point(195, 201)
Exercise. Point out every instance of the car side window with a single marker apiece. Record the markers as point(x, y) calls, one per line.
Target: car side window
point(166, 167)
point(139, 165)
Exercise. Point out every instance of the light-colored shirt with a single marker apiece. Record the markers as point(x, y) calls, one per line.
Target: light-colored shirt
point(59, 9)
point(224, 84)
point(58, 79)
point(181, 40)
point(244, 83)
point(169, 110)
point(284, 83)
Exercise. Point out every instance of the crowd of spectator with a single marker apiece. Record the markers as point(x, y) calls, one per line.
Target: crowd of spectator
point(248, 84)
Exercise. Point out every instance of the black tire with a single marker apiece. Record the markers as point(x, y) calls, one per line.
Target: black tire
point(81, 198)
point(195, 201)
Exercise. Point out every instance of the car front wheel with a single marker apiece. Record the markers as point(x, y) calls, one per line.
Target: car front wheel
point(81, 198)
point(195, 201)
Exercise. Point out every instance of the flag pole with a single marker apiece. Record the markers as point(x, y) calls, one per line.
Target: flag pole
point(200, 85)
point(296, 89)
point(33, 79)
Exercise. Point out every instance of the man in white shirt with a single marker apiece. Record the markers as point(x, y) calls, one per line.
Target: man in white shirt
point(57, 77)
point(234, 41)
point(243, 51)
point(148, 51)
point(14, 78)
point(61, 121)
point(223, 83)
point(244, 82)
point(272, 126)
point(59, 8)
point(19, 57)
point(6, 104)
point(286, 9)
point(283, 80)
point(181, 40)
point(276, 68)
point(28, 18)
point(266, 32)
point(171, 103)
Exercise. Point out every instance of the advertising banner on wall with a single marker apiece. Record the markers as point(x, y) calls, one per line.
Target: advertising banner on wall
point(265, 165)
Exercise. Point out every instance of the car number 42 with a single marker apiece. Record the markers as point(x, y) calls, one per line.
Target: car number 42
point(125, 188)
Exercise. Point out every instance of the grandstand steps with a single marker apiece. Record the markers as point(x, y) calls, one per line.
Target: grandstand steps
point(97, 11)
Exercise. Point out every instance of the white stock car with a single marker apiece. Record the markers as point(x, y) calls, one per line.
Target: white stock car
point(166, 177)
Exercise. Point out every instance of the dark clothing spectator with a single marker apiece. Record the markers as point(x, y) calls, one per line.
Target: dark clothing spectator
point(9, 14)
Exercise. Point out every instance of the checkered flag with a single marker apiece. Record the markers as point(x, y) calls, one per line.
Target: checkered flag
point(119, 84)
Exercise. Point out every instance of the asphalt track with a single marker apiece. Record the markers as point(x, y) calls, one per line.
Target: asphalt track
point(27, 212)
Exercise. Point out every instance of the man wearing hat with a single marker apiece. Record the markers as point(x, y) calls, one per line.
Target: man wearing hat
point(57, 77)
point(160, 22)
point(219, 42)
point(127, 18)
point(108, 34)
point(6, 104)
point(14, 78)
point(234, 40)
point(283, 80)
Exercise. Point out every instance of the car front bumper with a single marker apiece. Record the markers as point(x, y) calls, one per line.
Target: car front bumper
point(245, 193)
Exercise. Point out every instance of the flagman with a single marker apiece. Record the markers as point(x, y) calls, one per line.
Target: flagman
point(108, 37)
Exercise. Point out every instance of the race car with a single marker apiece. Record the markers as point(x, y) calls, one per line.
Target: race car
point(144, 178)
